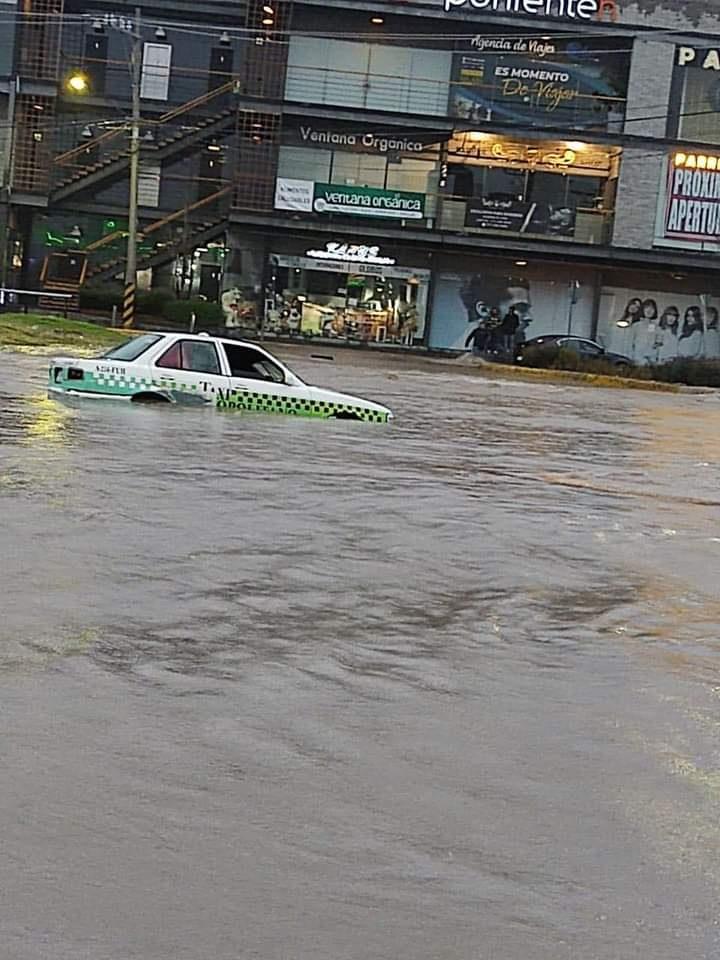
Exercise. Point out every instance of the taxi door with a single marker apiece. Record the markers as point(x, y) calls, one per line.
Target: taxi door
point(257, 382)
point(191, 371)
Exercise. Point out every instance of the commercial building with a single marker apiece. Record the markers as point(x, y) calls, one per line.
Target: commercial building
point(385, 172)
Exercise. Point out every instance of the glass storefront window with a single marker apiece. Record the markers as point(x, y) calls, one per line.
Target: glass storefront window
point(563, 190)
point(700, 106)
point(310, 300)
point(301, 164)
point(536, 187)
point(358, 169)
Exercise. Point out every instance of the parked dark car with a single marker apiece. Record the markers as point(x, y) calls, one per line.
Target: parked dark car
point(587, 349)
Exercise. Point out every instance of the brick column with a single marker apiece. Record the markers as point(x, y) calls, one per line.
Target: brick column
point(641, 168)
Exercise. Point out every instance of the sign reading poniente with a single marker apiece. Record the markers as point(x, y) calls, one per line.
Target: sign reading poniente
point(562, 9)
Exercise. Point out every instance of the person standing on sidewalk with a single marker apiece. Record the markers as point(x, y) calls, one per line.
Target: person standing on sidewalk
point(477, 339)
point(508, 329)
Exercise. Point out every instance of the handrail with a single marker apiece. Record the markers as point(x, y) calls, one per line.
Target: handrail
point(180, 213)
point(62, 158)
point(108, 238)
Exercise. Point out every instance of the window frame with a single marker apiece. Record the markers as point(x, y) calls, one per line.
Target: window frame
point(154, 338)
point(182, 368)
point(262, 358)
point(155, 76)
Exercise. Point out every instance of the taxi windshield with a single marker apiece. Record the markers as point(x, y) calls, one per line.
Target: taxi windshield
point(131, 349)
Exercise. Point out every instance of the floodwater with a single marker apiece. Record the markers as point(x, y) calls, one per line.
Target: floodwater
point(297, 690)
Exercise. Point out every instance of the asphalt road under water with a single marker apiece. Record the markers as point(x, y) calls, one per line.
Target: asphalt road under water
point(276, 688)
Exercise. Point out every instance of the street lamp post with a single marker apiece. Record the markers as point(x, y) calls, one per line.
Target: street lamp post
point(129, 290)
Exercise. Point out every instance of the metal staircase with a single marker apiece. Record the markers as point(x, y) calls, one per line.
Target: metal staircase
point(74, 176)
point(196, 233)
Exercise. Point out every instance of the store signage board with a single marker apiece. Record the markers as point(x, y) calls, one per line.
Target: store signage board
point(307, 196)
point(344, 266)
point(353, 140)
point(567, 81)
point(489, 214)
point(692, 210)
point(702, 58)
point(368, 201)
point(519, 216)
point(352, 253)
point(550, 9)
point(293, 194)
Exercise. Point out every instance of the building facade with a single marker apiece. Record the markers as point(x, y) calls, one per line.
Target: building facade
point(388, 172)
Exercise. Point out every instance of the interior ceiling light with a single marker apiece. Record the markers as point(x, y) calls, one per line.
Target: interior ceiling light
point(268, 9)
point(268, 21)
point(377, 20)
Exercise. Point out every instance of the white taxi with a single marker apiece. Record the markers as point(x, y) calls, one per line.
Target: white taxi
point(198, 368)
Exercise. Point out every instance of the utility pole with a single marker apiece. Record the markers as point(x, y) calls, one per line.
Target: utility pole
point(8, 177)
point(128, 306)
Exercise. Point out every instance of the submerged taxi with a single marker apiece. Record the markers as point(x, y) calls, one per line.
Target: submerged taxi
point(198, 368)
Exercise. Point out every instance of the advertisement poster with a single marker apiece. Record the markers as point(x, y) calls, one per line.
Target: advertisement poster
point(519, 217)
point(651, 326)
point(293, 194)
point(692, 210)
point(539, 82)
point(462, 301)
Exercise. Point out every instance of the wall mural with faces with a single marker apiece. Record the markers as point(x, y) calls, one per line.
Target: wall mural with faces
point(464, 301)
point(654, 327)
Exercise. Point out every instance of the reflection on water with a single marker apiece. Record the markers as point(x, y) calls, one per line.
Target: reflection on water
point(275, 687)
point(44, 420)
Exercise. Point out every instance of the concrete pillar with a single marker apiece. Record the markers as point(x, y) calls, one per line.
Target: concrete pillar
point(642, 167)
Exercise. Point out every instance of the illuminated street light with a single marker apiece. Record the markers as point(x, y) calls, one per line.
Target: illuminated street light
point(78, 82)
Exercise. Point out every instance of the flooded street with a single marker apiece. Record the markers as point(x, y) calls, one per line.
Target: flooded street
point(294, 690)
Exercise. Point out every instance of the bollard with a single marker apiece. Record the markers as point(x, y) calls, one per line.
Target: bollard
point(113, 318)
point(193, 318)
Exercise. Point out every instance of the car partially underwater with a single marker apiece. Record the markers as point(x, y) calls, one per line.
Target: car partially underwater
point(197, 368)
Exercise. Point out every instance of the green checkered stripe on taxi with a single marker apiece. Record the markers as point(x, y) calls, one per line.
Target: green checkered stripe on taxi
point(300, 407)
point(123, 386)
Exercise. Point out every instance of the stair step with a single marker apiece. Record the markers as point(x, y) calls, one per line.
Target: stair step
point(57, 303)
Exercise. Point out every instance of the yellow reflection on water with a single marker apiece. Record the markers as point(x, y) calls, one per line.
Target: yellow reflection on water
point(45, 421)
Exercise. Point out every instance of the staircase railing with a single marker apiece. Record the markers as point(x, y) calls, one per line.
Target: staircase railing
point(170, 218)
point(108, 238)
point(158, 225)
point(64, 158)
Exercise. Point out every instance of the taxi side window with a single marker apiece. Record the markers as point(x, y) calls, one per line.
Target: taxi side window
point(200, 357)
point(251, 364)
point(191, 355)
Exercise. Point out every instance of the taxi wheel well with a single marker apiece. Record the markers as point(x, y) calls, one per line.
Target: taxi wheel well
point(149, 397)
